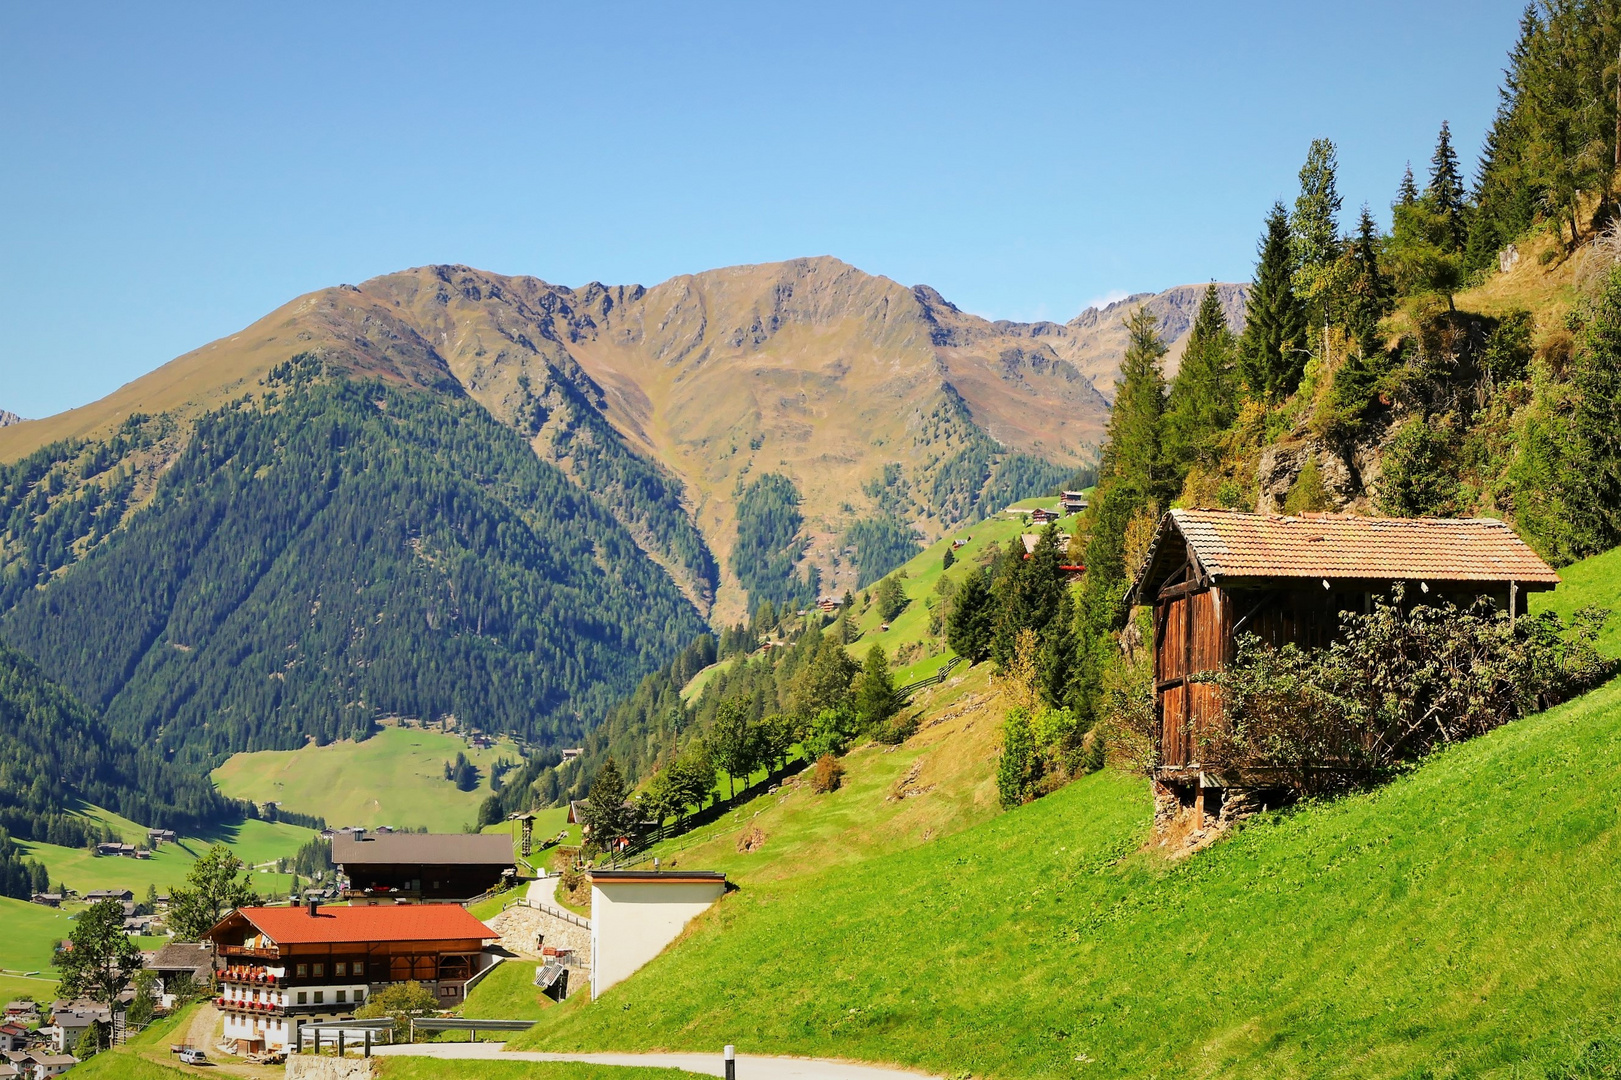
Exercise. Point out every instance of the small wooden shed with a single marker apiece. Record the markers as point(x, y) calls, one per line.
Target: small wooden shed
point(1211, 575)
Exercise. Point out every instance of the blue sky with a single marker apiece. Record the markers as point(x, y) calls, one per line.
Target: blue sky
point(172, 173)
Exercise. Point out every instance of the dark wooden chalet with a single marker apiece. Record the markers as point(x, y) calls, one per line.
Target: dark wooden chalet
point(1212, 575)
point(442, 867)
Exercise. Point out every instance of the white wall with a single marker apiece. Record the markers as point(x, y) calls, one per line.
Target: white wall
point(632, 922)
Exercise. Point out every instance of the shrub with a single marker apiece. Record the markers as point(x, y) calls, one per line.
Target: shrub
point(828, 776)
point(1398, 683)
point(400, 1002)
point(897, 729)
point(829, 732)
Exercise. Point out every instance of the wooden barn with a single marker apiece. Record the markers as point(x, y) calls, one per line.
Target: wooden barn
point(1212, 575)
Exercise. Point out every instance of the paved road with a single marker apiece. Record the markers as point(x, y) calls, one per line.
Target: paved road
point(749, 1066)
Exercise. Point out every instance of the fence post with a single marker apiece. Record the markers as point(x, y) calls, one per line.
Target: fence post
point(731, 1062)
point(368, 1042)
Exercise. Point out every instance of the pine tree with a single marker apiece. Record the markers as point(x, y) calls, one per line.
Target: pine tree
point(968, 631)
point(1271, 352)
point(1203, 397)
point(1407, 191)
point(1370, 293)
point(1591, 476)
point(1445, 192)
point(606, 814)
point(875, 690)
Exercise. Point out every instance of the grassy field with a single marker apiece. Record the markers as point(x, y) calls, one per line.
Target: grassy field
point(393, 778)
point(13, 987)
point(255, 842)
point(29, 933)
point(1595, 580)
point(507, 993)
point(911, 627)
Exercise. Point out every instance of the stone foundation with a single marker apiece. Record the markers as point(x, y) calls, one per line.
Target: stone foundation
point(310, 1067)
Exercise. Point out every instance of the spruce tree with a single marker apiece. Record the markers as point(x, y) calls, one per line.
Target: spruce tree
point(968, 631)
point(1591, 473)
point(1370, 292)
point(1203, 397)
point(1271, 352)
point(1407, 191)
point(875, 690)
point(1445, 193)
point(606, 813)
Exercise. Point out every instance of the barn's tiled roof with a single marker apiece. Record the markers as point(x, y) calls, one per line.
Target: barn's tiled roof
point(1233, 545)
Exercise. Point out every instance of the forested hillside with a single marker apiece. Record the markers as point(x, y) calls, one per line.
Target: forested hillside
point(331, 551)
point(56, 755)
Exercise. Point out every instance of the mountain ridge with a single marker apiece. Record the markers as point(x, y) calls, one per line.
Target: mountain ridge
point(665, 400)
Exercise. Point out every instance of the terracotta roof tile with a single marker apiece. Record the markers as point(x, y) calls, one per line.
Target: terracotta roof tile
point(1231, 544)
point(395, 922)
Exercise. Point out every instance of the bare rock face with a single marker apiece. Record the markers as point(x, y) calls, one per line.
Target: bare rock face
point(9, 418)
point(1276, 473)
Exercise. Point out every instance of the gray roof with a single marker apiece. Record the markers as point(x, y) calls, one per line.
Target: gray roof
point(427, 849)
point(182, 956)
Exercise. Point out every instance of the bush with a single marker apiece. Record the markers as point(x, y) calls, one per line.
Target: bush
point(829, 733)
point(828, 776)
point(1398, 683)
point(897, 729)
point(401, 1002)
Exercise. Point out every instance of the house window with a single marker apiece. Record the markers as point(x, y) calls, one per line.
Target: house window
point(340, 968)
point(320, 970)
point(303, 998)
point(342, 994)
point(360, 996)
point(319, 997)
point(303, 971)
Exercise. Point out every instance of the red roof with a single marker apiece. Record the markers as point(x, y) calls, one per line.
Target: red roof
point(392, 922)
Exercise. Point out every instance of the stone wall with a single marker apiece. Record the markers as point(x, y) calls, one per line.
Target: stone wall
point(310, 1067)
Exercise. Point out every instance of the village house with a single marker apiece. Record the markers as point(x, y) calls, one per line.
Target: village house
point(23, 1011)
point(8, 1071)
point(434, 867)
point(95, 896)
point(1072, 502)
point(12, 1036)
point(47, 899)
point(1212, 575)
point(49, 1065)
point(1043, 516)
point(1072, 571)
point(69, 1019)
point(161, 836)
point(180, 962)
point(285, 967)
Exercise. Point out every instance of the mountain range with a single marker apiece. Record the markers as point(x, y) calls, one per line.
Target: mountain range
point(874, 399)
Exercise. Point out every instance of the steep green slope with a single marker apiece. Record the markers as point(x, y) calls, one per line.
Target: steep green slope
point(1458, 920)
point(339, 551)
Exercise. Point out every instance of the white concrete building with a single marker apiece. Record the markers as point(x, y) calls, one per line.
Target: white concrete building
point(636, 913)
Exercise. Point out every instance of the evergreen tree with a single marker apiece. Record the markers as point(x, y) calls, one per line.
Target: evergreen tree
point(1407, 191)
point(1017, 764)
point(875, 690)
point(1445, 192)
point(1028, 594)
point(1203, 397)
point(948, 558)
point(968, 631)
point(1591, 477)
point(1314, 235)
point(607, 815)
point(1370, 293)
point(1272, 350)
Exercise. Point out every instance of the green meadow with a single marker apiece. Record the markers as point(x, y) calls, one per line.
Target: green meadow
point(394, 778)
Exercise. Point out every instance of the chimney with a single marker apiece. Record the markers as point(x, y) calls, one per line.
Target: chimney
point(314, 903)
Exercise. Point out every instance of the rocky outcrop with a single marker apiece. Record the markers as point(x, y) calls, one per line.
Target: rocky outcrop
point(9, 418)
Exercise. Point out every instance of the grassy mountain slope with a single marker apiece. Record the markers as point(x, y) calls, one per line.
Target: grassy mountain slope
point(1420, 926)
point(335, 551)
point(1452, 923)
point(404, 783)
